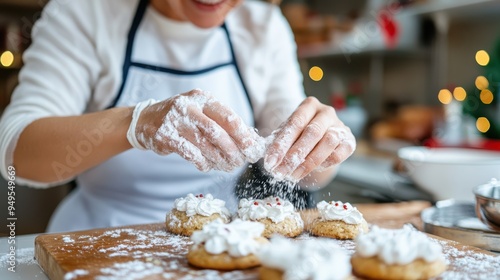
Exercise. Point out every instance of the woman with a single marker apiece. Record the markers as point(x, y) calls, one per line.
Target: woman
point(108, 95)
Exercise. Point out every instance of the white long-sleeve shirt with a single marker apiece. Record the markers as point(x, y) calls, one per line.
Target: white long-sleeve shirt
point(74, 65)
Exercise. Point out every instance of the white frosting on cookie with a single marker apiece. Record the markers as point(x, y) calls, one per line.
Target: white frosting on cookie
point(316, 259)
point(401, 246)
point(274, 208)
point(336, 210)
point(237, 238)
point(204, 205)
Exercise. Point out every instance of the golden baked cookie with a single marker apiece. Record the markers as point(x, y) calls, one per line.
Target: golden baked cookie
point(268, 273)
point(337, 229)
point(289, 227)
point(374, 268)
point(199, 257)
point(179, 223)
point(279, 216)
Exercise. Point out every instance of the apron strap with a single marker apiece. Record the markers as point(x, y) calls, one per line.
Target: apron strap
point(235, 62)
point(139, 14)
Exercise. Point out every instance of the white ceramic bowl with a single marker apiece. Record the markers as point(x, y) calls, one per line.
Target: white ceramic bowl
point(450, 173)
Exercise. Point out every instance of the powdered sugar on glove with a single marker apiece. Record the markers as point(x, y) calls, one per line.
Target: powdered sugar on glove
point(198, 128)
point(313, 138)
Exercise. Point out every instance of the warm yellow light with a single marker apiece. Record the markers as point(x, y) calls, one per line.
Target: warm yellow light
point(7, 58)
point(486, 96)
point(459, 93)
point(482, 124)
point(482, 58)
point(445, 96)
point(482, 83)
point(316, 73)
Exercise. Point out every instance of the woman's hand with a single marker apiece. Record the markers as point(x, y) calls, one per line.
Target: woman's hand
point(199, 129)
point(313, 138)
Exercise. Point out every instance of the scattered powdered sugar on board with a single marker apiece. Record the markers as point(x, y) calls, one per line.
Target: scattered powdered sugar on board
point(68, 239)
point(75, 274)
point(138, 240)
point(130, 270)
point(136, 254)
point(472, 265)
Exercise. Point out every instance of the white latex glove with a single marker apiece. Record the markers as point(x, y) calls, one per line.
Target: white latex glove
point(198, 128)
point(313, 138)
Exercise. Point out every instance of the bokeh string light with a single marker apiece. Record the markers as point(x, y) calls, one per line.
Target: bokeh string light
point(7, 59)
point(459, 93)
point(445, 96)
point(482, 58)
point(316, 73)
point(486, 95)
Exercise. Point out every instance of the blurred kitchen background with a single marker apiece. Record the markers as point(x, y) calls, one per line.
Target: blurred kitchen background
point(399, 73)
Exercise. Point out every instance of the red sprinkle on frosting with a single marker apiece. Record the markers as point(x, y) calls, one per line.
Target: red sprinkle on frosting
point(255, 203)
point(345, 207)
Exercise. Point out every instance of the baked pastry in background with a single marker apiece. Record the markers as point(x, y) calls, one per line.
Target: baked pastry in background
point(190, 213)
point(308, 259)
point(227, 246)
point(279, 216)
point(338, 220)
point(403, 254)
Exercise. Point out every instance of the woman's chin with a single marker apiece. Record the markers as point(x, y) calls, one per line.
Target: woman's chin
point(206, 24)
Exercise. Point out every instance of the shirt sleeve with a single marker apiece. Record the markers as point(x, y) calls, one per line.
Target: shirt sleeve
point(60, 69)
point(285, 90)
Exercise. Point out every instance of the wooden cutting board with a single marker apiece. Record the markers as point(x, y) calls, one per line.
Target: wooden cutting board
point(149, 252)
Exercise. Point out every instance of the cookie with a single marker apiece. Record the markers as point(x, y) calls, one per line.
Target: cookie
point(267, 273)
point(277, 215)
point(338, 220)
point(337, 229)
point(179, 223)
point(192, 212)
point(227, 246)
point(397, 254)
point(199, 257)
point(289, 227)
point(373, 268)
